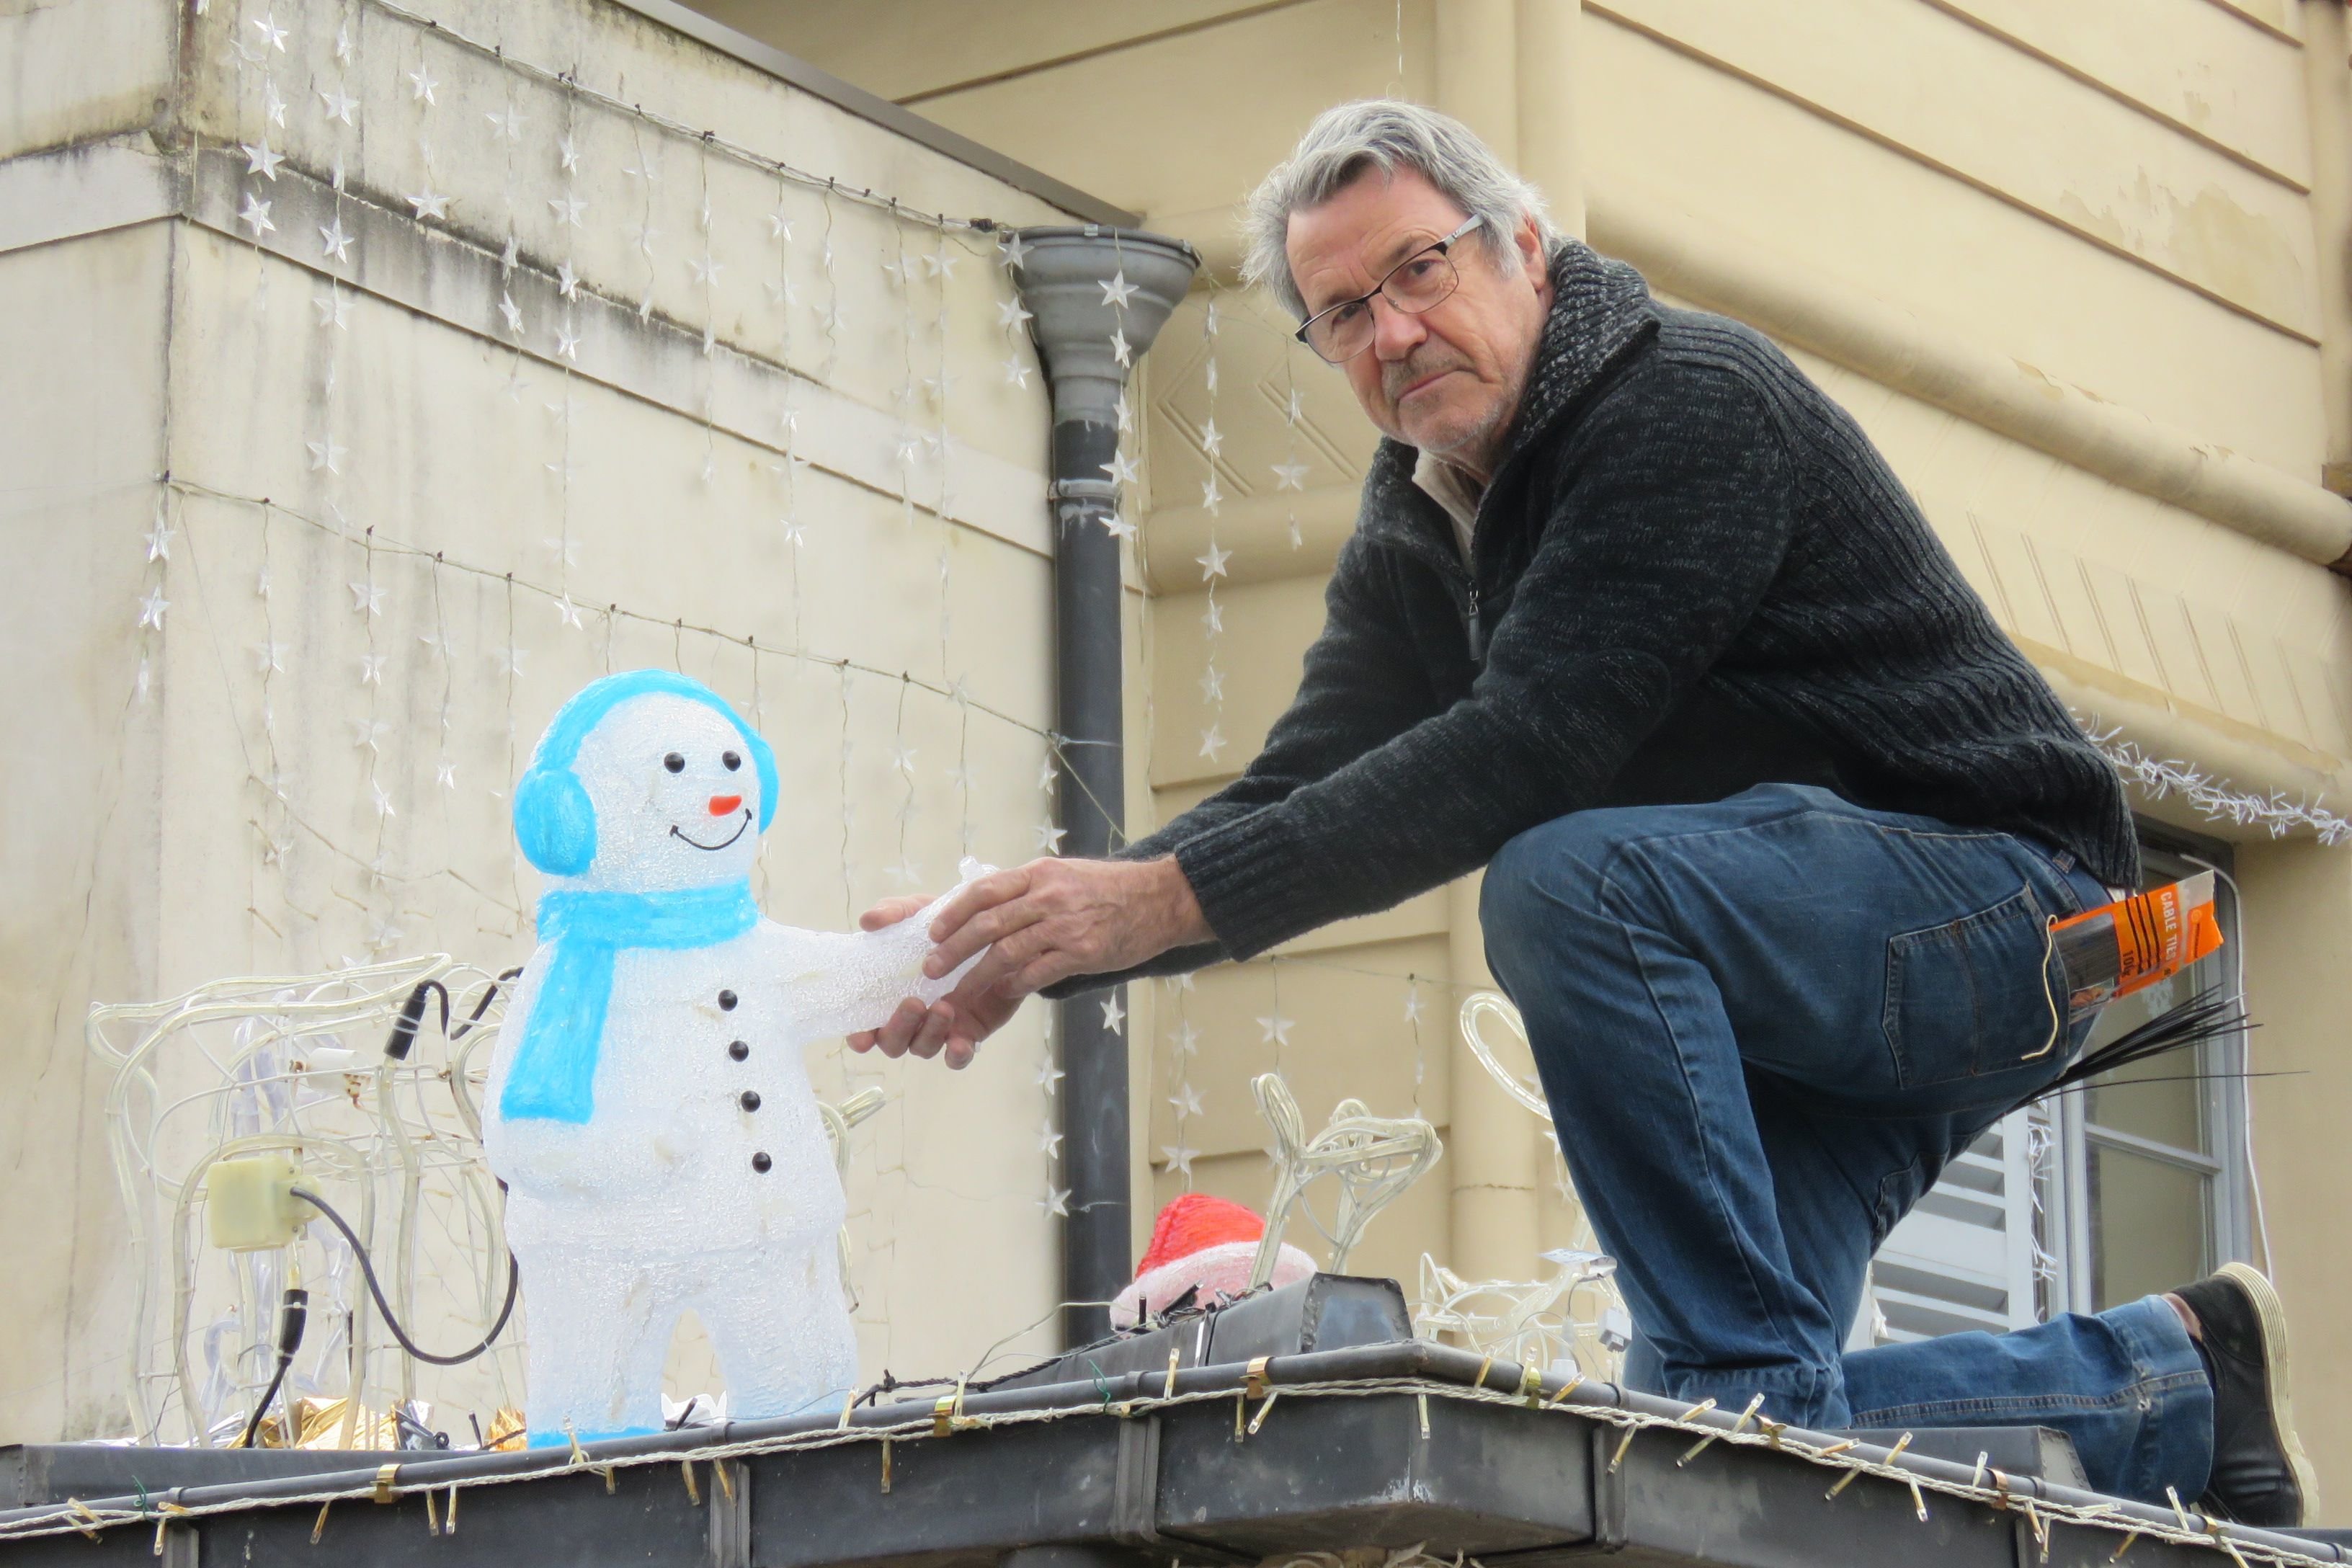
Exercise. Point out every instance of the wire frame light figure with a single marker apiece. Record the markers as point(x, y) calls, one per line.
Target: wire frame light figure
point(1374, 1159)
point(298, 1065)
point(840, 1121)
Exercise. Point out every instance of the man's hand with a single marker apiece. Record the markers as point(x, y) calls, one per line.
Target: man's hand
point(1041, 922)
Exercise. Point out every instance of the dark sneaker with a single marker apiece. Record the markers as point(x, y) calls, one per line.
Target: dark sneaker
point(2260, 1474)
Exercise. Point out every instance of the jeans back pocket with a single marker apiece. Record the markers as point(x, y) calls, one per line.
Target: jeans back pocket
point(1971, 997)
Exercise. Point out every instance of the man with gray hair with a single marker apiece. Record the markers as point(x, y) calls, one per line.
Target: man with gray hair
point(1776, 819)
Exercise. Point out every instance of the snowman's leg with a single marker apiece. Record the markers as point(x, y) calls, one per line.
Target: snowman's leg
point(782, 1331)
point(599, 1328)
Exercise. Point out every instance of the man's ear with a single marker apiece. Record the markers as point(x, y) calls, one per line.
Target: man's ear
point(1530, 241)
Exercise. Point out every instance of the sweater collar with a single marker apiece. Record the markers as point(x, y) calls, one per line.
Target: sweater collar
point(1599, 307)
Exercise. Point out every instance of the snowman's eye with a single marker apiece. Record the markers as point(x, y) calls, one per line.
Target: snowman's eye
point(731, 760)
point(674, 763)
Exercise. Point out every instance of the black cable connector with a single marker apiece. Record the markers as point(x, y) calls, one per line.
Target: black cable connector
point(367, 1270)
point(293, 1315)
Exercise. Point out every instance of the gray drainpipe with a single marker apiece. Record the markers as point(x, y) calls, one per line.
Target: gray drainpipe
point(1064, 281)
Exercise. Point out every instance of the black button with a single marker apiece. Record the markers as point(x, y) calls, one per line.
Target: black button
point(748, 1100)
point(727, 1001)
point(738, 1049)
point(674, 763)
point(760, 1163)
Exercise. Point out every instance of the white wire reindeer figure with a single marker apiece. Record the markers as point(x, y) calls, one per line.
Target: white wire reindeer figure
point(1374, 1159)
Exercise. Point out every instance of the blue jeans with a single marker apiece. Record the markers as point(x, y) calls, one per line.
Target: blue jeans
point(1764, 1026)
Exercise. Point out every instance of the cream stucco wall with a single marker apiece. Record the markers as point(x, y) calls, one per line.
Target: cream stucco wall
point(1953, 212)
point(644, 450)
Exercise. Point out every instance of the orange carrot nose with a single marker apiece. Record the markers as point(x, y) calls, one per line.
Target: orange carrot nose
point(721, 804)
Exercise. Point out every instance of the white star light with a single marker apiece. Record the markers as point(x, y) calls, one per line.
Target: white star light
point(510, 659)
point(706, 267)
point(1049, 1077)
point(1016, 373)
point(1179, 1158)
point(507, 122)
point(1276, 1030)
point(1012, 252)
point(567, 342)
point(1009, 313)
point(334, 241)
point(1049, 1142)
point(260, 160)
point(367, 599)
point(1293, 413)
point(372, 668)
point(567, 282)
point(273, 107)
point(1212, 440)
point(1213, 685)
point(902, 759)
point(512, 312)
point(334, 310)
point(1290, 476)
point(159, 540)
point(1126, 412)
point(343, 43)
point(1117, 526)
point(507, 257)
point(1213, 742)
point(1117, 292)
point(1186, 1038)
point(273, 36)
point(1211, 497)
point(780, 227)
point(1209, 321)
point(1413, 1004)
point(568, 210)
point(1056, 1201)
point(1114, 1016)
point(569, 151)
point(152, 608)
point(339, 103)
point(383, 802)
point(421, 84)
point(568, 612)
point(1119, 350)
point(1121, 469)
point(268, 657)
point(428, 204)
point(1049, 837)
point(255, 215)
point(1212, 564)
point(1186, 1100)
point(445, 775)
point(328, 453)
point(1214, 617)
point(367, 732)
point(940, 264)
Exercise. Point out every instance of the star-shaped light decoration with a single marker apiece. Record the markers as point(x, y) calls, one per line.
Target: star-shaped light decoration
point(328, 453)
point(568, 210)
point(511, 659)
point(367, 598)
point(1212, 742)
point(1047, 776)
point(1010, 315)
point(1293, 413)
point(706, 267)
point(1117, 292)
point(1126, 413)
point(1212, 684)
point(1186, 1038)
point(367, 734)
point(273, 107)
point(902, 759)
point(516, 386)
point(1213, 616)
point(340, 104)
point(383, 800)
point(1413, 1004)
point(343, 43)
point(1012, 252)
point(255, 215)
point(429, 204)
point(512, 253)
point(507, 122)
point(1212, 440)
point(780, 228)
point(569, 152)
point(781, 291)
point(567, 282)
point(1121, 469)
point(646, 234)
point(1049, 1142)
point(1178, 1158)
point(1117, 526)
point(273, 36)
point(1119, 349)
point(1114, 1016)
point(268, 657)
point(445, 775)
point(906, 872)
point(1209, 321)
point(159, 540)
point(387, 935)
point(512, 312)
point(372, 668)
point(334, 310)
point(1186, 1100)
point(1212, 564)
point(260, 581)
point(1212, 495)
point(421, 83)
point(260, 160)
point(1049, 837)
point(1290, 476)
point(1056, 1201)
point(1016, 373)
point(1275, 1028)
point(568, 612)
point(567, 342)
point(1049, 1077)
point(334, 241)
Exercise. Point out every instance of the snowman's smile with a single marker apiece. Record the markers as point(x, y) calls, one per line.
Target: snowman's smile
point(679, 834)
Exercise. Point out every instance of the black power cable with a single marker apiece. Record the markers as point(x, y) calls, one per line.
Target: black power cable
point(293, 1313)
point(514, 1285)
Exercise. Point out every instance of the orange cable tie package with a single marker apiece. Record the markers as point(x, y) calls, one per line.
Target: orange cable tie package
point(2120, 948)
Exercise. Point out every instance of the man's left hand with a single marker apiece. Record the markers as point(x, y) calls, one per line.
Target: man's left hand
point(1041, 922)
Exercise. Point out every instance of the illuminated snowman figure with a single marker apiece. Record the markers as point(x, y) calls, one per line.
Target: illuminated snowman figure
point(648, 1110)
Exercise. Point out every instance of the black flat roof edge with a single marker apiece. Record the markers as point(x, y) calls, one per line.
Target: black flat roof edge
point(1418, 1359)
point(881, 112)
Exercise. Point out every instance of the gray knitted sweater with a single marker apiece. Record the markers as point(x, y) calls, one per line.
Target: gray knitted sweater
point(1692, 574)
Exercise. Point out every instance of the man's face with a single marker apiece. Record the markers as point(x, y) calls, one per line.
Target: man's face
point(1447, 380)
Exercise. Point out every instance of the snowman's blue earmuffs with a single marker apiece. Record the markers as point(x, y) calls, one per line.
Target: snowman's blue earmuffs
point(555, 821)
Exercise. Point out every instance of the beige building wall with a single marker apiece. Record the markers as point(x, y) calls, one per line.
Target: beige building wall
point(2079, 269)
point(380, 525)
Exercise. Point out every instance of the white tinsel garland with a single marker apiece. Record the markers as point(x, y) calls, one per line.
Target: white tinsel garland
point(2212, 797)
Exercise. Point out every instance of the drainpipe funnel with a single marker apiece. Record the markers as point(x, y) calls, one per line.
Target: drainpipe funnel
point(1093, 290)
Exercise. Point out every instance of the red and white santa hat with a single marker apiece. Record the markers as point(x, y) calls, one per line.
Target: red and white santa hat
point(1202, 1244)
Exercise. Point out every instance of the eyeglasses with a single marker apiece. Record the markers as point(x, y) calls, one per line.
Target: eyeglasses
point(1419, 282)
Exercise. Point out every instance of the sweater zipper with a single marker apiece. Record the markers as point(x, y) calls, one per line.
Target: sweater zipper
point(1477, 635)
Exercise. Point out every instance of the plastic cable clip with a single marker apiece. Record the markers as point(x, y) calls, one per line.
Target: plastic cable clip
point(387, 1479)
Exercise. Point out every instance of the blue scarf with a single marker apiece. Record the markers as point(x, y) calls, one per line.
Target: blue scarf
point(553, 1077)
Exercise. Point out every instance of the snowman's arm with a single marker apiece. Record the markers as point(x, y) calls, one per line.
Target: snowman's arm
point(843, 981)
